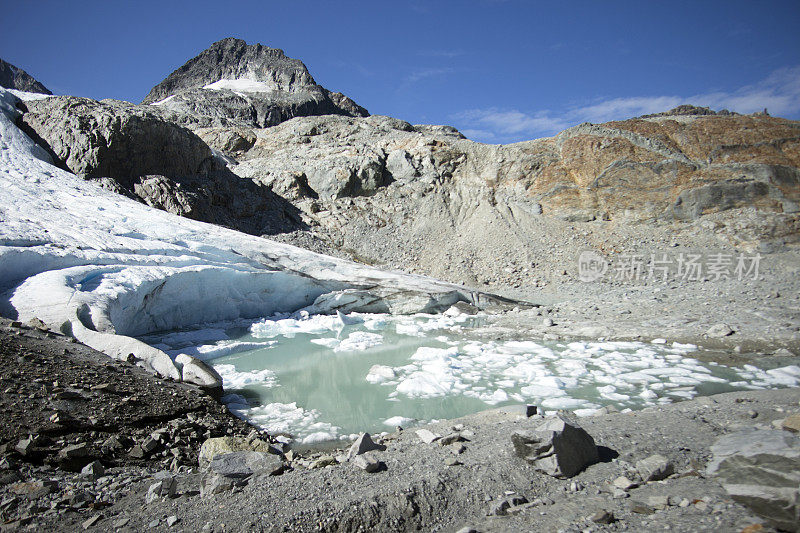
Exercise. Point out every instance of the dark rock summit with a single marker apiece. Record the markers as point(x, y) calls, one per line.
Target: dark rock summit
point(12, 77)
point(251, 85)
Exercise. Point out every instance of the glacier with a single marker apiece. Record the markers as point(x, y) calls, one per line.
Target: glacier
point(102, 268)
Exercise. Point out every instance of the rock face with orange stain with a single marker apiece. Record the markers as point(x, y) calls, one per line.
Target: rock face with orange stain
point(667, 166)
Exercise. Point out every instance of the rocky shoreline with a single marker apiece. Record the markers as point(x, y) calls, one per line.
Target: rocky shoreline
point(90, 442)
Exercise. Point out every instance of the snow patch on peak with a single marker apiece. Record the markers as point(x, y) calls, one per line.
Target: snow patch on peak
point(242, 85)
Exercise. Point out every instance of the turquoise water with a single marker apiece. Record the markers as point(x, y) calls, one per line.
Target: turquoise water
point(325, 378)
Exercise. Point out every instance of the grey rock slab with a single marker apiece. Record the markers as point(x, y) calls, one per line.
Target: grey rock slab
point(760, 468)
point(427, 436)
point(654, 468)
point(366, 463)
point(165, 487)
point(212, 484)
point(364, 444)
point(557, 447)
point(243, 464)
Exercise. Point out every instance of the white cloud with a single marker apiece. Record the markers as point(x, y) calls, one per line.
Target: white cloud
point(423, 73)
point(779, 93)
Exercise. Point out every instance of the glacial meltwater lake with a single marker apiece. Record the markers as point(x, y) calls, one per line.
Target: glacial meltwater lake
point(322, 378)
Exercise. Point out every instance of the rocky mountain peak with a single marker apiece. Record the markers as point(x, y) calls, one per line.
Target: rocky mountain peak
point(234, 83)
point(233, 59)
point(12, 77)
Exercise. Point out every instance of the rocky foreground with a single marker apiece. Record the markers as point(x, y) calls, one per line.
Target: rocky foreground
point(91, 443)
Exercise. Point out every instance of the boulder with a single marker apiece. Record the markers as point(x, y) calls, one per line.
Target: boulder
point(196, 371)
point(223, 445)
point(362, 445)
point(558, 447)
point(243, 464)
point(760, 469)
point(212, 484)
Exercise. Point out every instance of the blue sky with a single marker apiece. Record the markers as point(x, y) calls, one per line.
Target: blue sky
point(499, 70)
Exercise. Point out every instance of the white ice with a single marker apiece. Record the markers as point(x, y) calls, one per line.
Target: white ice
point(105, 269)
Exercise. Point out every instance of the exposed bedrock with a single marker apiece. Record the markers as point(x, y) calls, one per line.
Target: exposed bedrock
point(133, 151)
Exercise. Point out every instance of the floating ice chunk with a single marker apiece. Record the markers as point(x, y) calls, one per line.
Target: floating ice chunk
point(231, 379)
point(375, 322)
point(290, 419)
point(380, 374)
point(289, 327)
point(399, 421)
point(659, 341)
point(495, 397)
point(359, 340)
point(788, 375)
point(610, 393)
point(328, 342)
point(566, 403)
point(424, 385)
point(409, 329)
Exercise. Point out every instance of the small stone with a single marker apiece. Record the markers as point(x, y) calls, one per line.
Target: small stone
point(149, 444)
point(500, 508)
point(719, 331)
point(467, 529)
point(624, 483)
point(367, 463)
point(137, 452)
point(452, 461)
point(458, 448)
point(520, 409)
point(451, 438)
point(619, 494)
point(93, 470)
point(791, 423)
point(172, 520)
point(74, 451)
point(322, 462)
point(686, 502)
point(164, 487)
point(654, 468)
point(658, 502)
point(602, 517)
point(89, 522)
point(427, 436)
point(24, 446)
point(641, 509)
point(119, 524)
point(701, 505)
point(548, 322)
